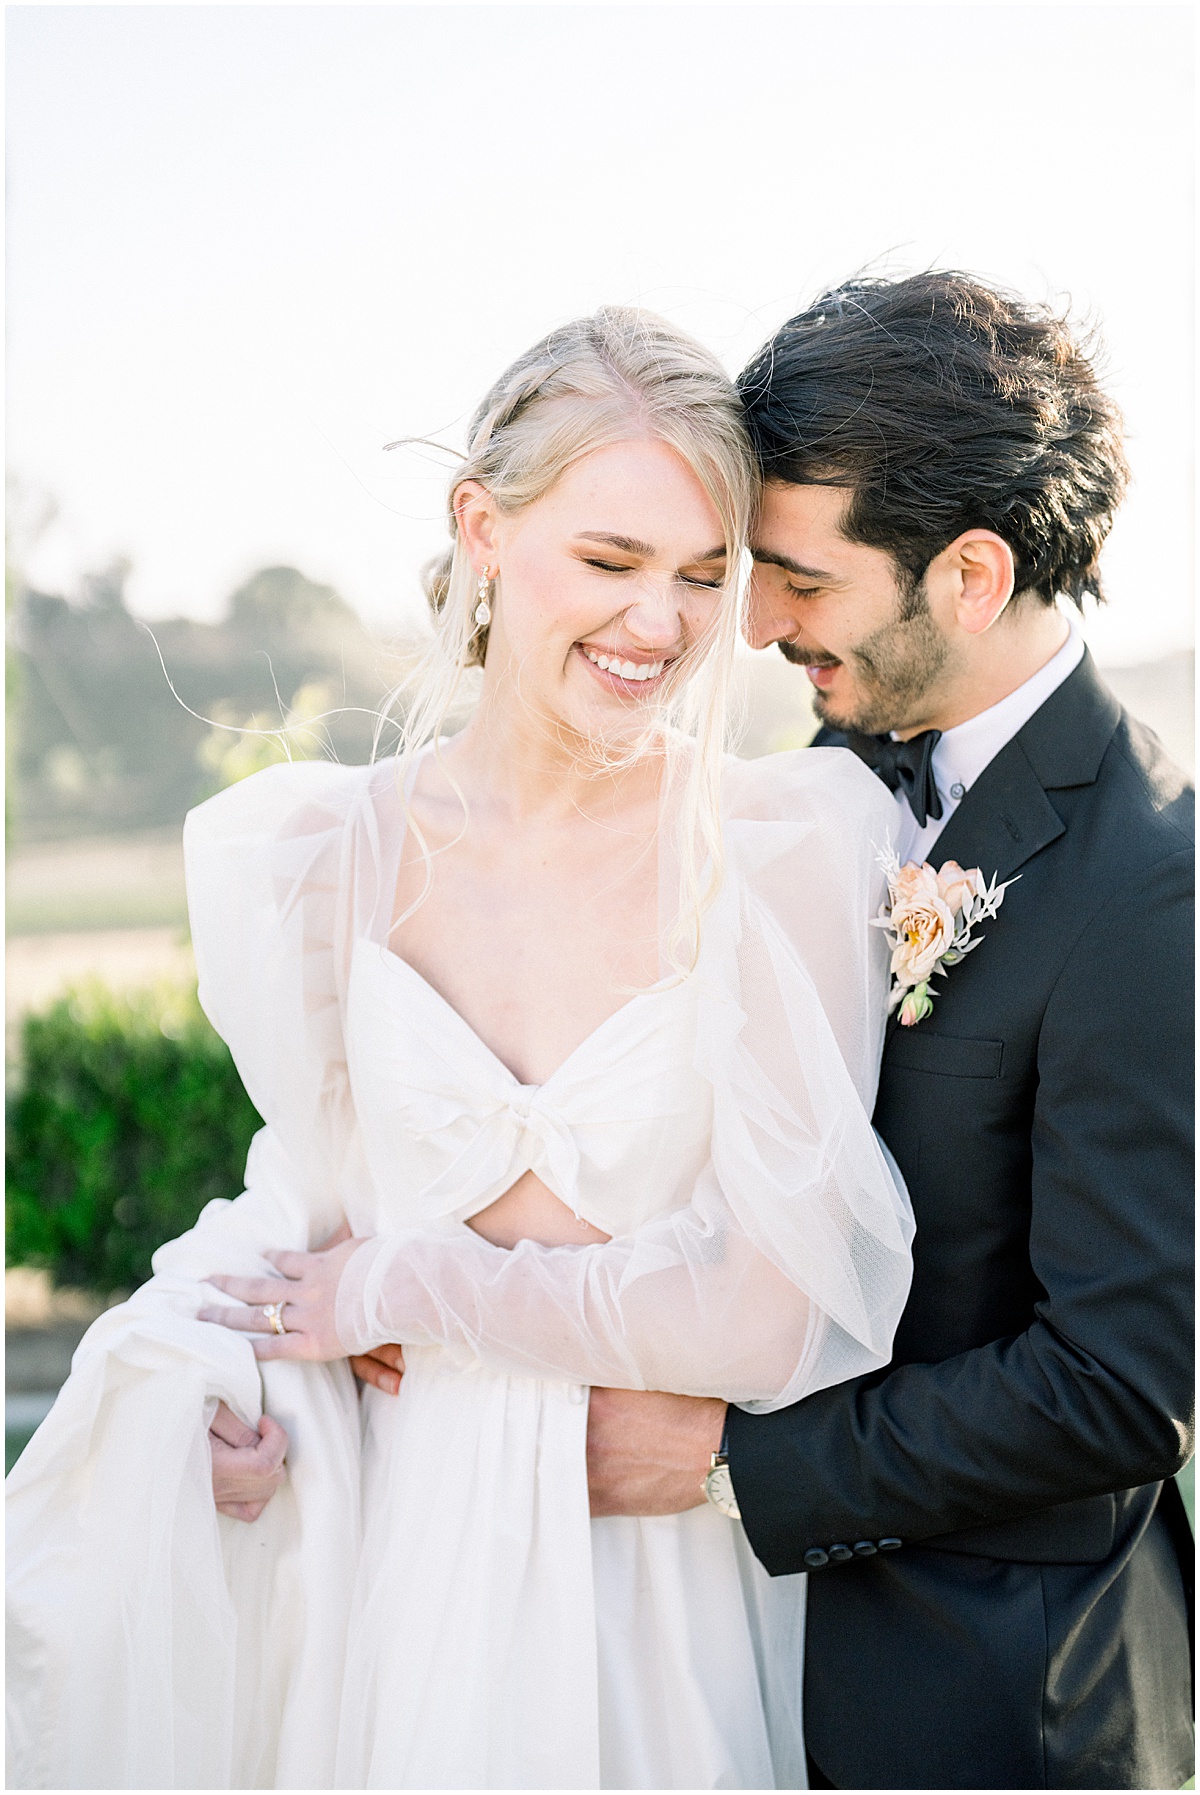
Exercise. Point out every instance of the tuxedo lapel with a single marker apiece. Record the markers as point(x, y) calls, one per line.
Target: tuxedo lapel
point(1003, 821)
point(1006, 817)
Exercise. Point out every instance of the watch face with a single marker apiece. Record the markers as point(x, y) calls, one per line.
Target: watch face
point(718, 1487)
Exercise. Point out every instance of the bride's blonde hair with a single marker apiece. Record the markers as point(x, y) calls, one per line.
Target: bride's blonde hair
point(585, 386)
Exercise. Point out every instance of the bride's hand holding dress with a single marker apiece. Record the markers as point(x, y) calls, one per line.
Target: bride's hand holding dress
point(247, 1463)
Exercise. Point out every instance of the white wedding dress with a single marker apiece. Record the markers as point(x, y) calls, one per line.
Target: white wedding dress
point(425, 1603)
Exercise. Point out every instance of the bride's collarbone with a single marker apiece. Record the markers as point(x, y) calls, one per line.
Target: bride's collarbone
point(533, 957)
point(531, 1000)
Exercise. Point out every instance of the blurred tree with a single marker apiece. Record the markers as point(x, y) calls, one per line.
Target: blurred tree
point(279, 603)
point(233, 750)
point(28, 514)
point(104, 743)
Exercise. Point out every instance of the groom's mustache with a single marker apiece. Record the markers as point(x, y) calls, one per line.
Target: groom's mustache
point(800, 657)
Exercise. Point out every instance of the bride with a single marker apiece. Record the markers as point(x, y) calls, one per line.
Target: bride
point(575, 1025)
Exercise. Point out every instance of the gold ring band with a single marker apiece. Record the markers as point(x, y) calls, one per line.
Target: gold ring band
point(274, 1314)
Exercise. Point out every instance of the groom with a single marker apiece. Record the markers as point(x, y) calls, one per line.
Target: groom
point(997, 1553)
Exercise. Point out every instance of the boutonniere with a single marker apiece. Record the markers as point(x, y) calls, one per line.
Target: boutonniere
point(929, 917)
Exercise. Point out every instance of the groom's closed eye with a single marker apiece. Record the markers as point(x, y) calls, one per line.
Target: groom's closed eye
point(799, 580)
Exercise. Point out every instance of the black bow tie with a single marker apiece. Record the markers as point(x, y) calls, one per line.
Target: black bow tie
point(903, 766)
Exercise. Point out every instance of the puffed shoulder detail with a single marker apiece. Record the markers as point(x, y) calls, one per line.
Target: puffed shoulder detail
point(776, 804)
point(268, 864)
point(776, 786)
point(264, 802)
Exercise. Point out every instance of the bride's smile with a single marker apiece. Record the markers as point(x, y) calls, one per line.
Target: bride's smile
point(627, 670)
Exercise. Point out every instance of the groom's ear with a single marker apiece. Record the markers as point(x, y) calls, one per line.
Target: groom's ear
point(974, 578)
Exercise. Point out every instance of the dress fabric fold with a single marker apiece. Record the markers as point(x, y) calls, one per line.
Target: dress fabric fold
point(426, 1604)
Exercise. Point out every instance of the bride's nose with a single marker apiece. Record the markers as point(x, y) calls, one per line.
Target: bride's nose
point(655, 618)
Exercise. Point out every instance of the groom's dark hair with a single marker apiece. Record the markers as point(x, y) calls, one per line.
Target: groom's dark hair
point(945, 405)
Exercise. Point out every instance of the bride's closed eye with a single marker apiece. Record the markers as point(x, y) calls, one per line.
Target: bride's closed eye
point(688, 579)
point(606, 566)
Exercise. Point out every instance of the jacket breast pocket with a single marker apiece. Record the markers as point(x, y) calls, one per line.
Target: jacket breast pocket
point(951, 1056)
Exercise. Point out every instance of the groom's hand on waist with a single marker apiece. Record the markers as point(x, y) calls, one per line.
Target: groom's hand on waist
point(382, 1367)
point(648, 1453)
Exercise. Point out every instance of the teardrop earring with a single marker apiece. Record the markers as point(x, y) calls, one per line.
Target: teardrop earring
point(483, 610)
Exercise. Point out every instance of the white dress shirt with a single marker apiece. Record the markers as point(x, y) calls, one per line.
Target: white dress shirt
point(962, 754)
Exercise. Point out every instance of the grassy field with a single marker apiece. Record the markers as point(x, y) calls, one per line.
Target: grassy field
point(107, 882)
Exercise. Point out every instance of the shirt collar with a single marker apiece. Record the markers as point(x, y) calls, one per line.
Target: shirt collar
point(963, 752)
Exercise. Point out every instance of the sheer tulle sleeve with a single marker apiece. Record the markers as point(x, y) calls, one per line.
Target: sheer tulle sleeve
point(789, 1267)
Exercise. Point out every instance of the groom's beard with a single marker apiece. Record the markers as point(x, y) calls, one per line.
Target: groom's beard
point(893, 671)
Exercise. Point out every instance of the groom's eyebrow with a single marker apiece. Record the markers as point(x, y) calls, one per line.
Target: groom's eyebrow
point(772, 559)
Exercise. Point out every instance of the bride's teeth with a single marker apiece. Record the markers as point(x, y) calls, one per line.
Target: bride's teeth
point(625, 669)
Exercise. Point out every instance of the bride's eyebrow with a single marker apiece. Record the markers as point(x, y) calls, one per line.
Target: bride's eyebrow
point(632, 546)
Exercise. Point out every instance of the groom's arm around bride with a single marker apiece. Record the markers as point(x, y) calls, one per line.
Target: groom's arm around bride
point(997, 1555)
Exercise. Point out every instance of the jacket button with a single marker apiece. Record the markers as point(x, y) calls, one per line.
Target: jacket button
point(865, 1548)
point(839, 1554)
point(889, 1545)
point(814, 1558)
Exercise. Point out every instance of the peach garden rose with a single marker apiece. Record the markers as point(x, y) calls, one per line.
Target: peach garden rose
point(929, 917)
point(923, 925)
point(956, 886)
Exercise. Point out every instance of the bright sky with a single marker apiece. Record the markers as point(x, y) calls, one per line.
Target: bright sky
point(250, 245)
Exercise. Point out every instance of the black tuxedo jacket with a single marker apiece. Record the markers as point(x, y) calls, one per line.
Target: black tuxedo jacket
point(997, 1596)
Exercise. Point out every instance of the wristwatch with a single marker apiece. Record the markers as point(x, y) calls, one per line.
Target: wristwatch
point(718, 1484)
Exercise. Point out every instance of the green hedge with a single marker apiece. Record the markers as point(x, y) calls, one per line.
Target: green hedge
point(128, 1118)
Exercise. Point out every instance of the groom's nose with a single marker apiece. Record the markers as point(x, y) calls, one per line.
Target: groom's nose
point(769, 617)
